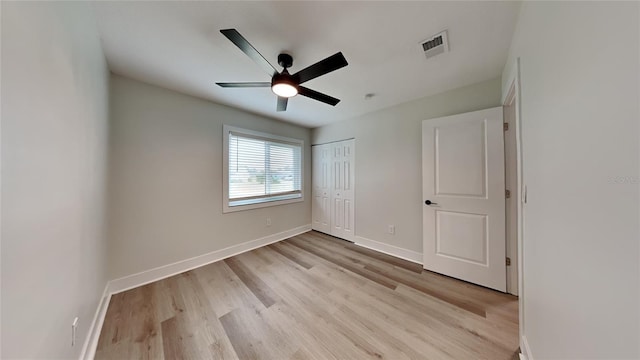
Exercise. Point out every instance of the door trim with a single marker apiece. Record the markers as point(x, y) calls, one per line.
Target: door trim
point(513, 96)
point(511, 185)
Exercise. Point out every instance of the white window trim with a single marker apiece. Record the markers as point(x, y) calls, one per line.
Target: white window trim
point(226, 129)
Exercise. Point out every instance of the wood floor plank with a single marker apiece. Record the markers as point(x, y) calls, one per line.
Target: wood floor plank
point(299, 293)
point(372, 312)
point(416, 280)
point(171, 339)
point(354, 269)
point(444, 339)
point(291, 274)
point(253, 337)
point(146, 330)
point(114, 320)
point(169, 300)
point(405, 264)
point(379, 334)
point(303, 354)
point(200, 321)
point(114, 341)
point(341, 253)
point(236, 332)
point(310, 297)
point(398, 277)
point(289, 255)
point(359, 324)
point(346, 338)
point(347, 292)
point(224, 290)
point(496, 332)
point(496, 304)
point(257, 286)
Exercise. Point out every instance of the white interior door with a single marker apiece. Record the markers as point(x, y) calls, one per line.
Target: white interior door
point(342, 190)
point(463, 180)
point(321, 206)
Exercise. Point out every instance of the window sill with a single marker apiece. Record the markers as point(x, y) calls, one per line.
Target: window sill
point(241, 205)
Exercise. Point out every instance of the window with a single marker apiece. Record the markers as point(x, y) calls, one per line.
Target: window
point(260, 169)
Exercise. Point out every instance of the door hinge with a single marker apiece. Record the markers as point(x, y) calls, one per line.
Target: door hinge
point(505, 126)
point(508, 261)
point(507, 193)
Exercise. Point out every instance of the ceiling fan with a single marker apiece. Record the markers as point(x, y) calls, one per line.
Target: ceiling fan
point(282, 83)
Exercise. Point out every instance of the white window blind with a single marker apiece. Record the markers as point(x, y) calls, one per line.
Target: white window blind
point(262, 168)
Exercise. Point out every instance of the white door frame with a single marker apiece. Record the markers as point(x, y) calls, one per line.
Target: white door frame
point(513, 96)
point(511, 183)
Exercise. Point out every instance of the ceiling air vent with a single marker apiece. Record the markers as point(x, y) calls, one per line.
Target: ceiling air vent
point(435, 45)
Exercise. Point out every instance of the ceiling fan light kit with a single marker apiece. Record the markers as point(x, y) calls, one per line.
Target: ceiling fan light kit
point(282, 83)
point(284, 89)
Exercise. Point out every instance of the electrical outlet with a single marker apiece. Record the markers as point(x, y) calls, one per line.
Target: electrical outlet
point(268, 221)
point(74, 328)
point(391, 229)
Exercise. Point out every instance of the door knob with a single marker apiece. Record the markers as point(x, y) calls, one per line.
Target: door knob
point(428, 202)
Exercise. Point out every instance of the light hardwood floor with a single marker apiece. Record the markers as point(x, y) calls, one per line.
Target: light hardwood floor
point(310, 297)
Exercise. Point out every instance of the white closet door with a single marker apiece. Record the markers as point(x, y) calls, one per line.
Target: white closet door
point(342, 190)
point(321, 177)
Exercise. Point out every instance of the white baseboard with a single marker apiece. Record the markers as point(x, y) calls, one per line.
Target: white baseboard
point(524, 349)
point(145, 277)
point(91, 342)
point(405, 254)
point(149, 276)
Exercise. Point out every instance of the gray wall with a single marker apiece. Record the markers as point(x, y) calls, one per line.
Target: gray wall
point(388, 165)
point(54, 147)
point(165, 186)
point(579, 68)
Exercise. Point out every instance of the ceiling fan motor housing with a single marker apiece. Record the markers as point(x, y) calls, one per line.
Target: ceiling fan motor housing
point(285, 60)
point(283, 78)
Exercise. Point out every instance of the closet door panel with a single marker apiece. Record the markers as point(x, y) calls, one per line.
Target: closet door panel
point(321, 179)
point(334, 189)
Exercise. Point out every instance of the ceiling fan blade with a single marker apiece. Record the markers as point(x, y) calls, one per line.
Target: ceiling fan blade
point(317, 96)
point(247, 48)
point(244, 84)
point(282, 103)
point(332, 63)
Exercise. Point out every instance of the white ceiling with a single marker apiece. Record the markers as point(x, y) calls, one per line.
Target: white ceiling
point(177, 45)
